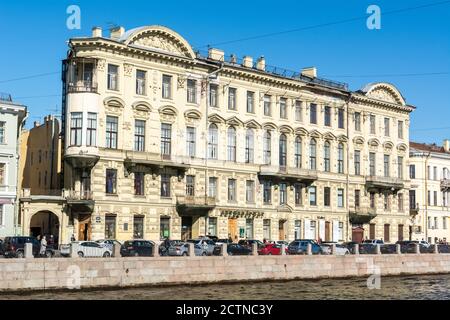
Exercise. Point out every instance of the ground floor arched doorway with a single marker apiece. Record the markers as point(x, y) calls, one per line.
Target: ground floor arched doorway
point(45, 223)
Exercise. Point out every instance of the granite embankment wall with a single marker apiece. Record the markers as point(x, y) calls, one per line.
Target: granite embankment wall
point(79, 273)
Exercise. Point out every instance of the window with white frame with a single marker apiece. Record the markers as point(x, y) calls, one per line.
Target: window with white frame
point(140, 82)
point(166, 139)
point(2, 131)
point(167, 87)
point(231, 148)
point(113, 77)
point(340, 197)
point(190, 141)
point(139, 135)
point(213, 137)
point(267, 147)
point(298, 110)
point(191, 91)
point(250, 102)
point(91, 137)
point(111, 132)
point(249, 146)
point(232, 99)
point(76, 127)
point(212, 187)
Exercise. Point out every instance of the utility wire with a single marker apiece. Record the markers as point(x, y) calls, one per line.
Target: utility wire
point(325, 24)
point(31, 77)
point(35, 97)
point(389, 75)
point(430, 129)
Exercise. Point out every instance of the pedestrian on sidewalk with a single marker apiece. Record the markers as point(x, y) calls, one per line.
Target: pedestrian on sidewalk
point(43, 246)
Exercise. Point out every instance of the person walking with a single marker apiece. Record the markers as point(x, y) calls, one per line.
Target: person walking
point(43, 246)
point(72, 239)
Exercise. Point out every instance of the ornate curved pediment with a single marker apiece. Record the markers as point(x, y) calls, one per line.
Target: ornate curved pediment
point(252, 124)
point(388, 145)
point(158, 38)
point(385, 92)
point(168, 110)
point(193, 114)
point(342, 138)
point(215, 118)
point(114, 102)
point(286, 129)
point(402, 147)
point(373, 142)
point(301, 131)
point(358, 140)
point(234, 121)
point(269, 126)
point(142, 106)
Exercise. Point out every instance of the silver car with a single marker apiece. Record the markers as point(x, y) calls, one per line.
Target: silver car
point(182, 249)
point(87, 249)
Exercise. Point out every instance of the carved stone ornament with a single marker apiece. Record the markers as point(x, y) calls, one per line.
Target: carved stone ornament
point(161, 43)
point(101, 65)
point(384, 95)
point(127, 69)
point(181, 82)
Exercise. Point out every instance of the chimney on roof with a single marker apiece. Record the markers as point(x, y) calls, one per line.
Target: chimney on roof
point(309, 72)
point(446, 145)
point(216, 54)
point(37, 124)
point(117, 32)
point(247, 62)
point(96, 32)
point(261, 64)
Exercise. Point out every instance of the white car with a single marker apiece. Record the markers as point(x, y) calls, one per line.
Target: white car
point(109, 243)
point(87, 249)
point(340, 249)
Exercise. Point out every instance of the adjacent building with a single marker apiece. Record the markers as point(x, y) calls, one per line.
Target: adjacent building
point(429, 171)
point(161, 141)
point(12, 119)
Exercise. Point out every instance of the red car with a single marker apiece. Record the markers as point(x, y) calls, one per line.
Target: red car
point(271, 249)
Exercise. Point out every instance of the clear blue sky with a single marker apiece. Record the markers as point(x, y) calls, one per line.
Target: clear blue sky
point(34, 38)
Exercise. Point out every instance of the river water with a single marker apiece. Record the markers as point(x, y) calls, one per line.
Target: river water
point(405, 287)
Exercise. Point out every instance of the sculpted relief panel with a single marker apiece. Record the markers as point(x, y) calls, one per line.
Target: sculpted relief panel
point(161, 43)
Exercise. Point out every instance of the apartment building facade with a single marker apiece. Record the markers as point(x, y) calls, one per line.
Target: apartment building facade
point(429, 172)
point(161, 141)
point(12, 119)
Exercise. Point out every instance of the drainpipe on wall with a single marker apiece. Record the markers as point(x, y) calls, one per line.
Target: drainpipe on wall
point(427, 157)
point(349, 228)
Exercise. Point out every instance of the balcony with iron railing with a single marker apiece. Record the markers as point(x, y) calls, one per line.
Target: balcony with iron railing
point(414, 209)
point(195, 205)
point(384, 183)
point(361, 215)
point(79, 195)
point(445, 184)
point(82, 87)
point(288, 173)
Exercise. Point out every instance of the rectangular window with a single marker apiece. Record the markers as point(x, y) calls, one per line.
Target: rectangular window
point(400, 167)
point(139, 183)
point(357, 121)
point(138, 227)
point(111, 132)
point(372, 124)
point(2, 174)
point(190, 186)
point(110, 227)
point(386, 165)
point(267, 105)
point(212, 226)
point(326, 196)
point(312, 196)
point(140, 82)
point(267, 192)
point(250, 191)
point(113, 77)
point(91, 139)
point(436, 226)
point(212, 187)
point(387, 233)
point(167, 87)
point(76, 127)
point(249, 228)
point(164, 228)
point(435, 198)
point(298, 194)
point(2, 132)
point(231, 190)
point(191, 91)
point(283, 108)
point(341, 118)
point(139, 135)
point(428, 173)
point(357, 198)
point(435, 175)
point(213, 95)
point(400, 202)
point(372, 164)
point(412, 199)
point(166, 139)
point(165, 186)
point(412, 171)
point(387, 202)
point(444, 222)
point(372, 200)
point(190, 141)
point(111, 181)
point(231, 99)
point(283, 193)
point(400, 232)
point(327, 116)
point(340, 196)
point(266, 229)
point(429, 198)
point(386, 127)
point(357, 162)
point(313, 113)
point(298, 110)
point(400, 129)
point(1, 215)
point(250, 102)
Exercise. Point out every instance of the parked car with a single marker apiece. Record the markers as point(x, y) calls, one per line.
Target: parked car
point(88, 249)
point(14, 247)
point(182, 249)
point(137, 248)
point(249, 243)
point(300, 247)
point(408, 246)
point(227, 241)
point(206, 245)
point(109, 243)
point(165, 245)
point(233, 249)
point(340, 249)
point(271, 249)
point(373, 241)
point(280, 242)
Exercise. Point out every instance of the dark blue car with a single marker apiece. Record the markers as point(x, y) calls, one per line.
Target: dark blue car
point(300, 247)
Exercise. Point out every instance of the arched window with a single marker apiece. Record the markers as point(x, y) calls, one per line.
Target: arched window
point(298, 152)
point(213, 138)
point(231, 144)
point(313, 154)
point(341, 158)
point(249, 146)
point(326, 156)
point(283, 150)
point(267, 148)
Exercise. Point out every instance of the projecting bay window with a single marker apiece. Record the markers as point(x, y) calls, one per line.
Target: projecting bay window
point(111, 132)
point(91, 134)
point(167, 87)
point(190, 186)
point(213, 95)
point(139, 183)
point(76, 128)
point(139, 135)
point(166, 139)
point(111, 181)
point(113, 77)
point(191, 91)
point(190, 141)
point(140, 82)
